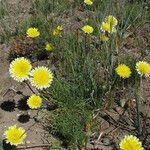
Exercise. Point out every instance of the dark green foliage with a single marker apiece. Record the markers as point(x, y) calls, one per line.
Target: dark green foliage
point(3, 10)
point(76, 89)
point(70, 124)
point(50, 6)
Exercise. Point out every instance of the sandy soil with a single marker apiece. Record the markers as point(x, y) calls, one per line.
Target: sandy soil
point(36, 135)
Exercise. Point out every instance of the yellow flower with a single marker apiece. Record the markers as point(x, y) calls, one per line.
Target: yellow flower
point(88, 29)
point(41, 77)
point(60, 28)
point(15, 135)
point(106, 27)
point(104, 38)
point(123, 71)
point(112, 20)
point(143, 68)
point(56, 33)
point(34, 101)
point(49, 47)
point(20, 68)
point(88, 2)
point(33, 32)
point(130, 142)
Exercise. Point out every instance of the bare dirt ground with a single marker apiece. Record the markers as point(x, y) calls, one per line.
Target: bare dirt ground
point(12, 109)
point(10, 112)
point(36, 134)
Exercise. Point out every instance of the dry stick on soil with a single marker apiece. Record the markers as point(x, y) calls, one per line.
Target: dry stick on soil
point(34, 146)
point(12, 89)
point(118, 124)
point(113, 130)
point(122, 114)
point(99, 137)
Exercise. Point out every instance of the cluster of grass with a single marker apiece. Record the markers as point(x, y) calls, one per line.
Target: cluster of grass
point(85, 78)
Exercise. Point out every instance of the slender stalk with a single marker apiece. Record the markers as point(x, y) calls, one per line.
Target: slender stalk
point(138, 116)
point(85, 38)
point(53, 7)
point(28, 128)
point(138, 97)
point(123, 87)
point(118, 6)
point(30, 87)
point(86, 141)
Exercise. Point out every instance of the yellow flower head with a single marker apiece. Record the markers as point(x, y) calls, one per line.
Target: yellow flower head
point(60, 28)
point(143, 68)
point(15, 135)
point(123, 71)
point(88, 2)
point(20, 68)
point(88, 29)
point(56, 33)
point(106, 27)
point(49, 47)
point(41, 77)
point(104, 38)
point(33, 32)
point(34, 101)
point(130, 142)
point(112, 20)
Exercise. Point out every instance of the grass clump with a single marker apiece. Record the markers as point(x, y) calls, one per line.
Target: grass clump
point(70, 123)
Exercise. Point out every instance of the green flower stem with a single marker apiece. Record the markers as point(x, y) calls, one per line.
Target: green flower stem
point(30, 87)
point(53, 7)
point(85, 38)
point(138, 97)
point(111, 55)
point(123, 87)
point(118, 6)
